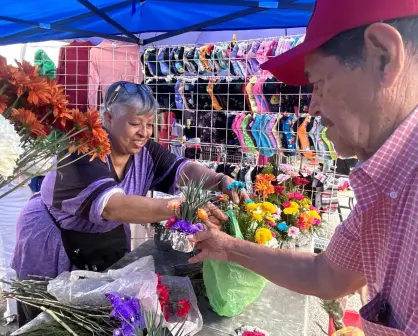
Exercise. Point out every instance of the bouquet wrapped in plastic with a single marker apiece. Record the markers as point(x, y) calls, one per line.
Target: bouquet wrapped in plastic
point(188, 214)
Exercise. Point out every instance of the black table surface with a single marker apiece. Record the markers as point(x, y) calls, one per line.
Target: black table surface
point(277, 310)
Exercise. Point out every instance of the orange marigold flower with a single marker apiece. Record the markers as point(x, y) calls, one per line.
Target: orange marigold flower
point(263, 185)
point(267, 177)
point(202, 214)
point(28, 120)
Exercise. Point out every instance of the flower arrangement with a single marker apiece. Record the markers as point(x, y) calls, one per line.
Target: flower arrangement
point(36, 126)
point(279, 212)
point(188, 214)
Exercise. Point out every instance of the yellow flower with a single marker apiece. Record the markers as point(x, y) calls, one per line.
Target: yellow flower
point(257, 215)
point(270, 219)
point(314, 214)
point(262, 236)
point(268, 207)
point(306, 203)
point(294, 205)
point(251, 206)
point(290, 211)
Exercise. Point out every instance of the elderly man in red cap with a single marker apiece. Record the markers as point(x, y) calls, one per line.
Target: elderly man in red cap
point(362, 58)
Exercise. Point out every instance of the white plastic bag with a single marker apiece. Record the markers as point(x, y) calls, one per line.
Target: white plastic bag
point(85, 288)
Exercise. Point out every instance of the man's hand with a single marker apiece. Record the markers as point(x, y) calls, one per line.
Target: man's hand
point(213, 243)
point(216, 216)
point(235, 197)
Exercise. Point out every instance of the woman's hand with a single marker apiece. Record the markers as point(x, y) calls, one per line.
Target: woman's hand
point(216, 216)
point(234, 196)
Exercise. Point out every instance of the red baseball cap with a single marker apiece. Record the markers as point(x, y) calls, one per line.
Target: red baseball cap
point(329, 18)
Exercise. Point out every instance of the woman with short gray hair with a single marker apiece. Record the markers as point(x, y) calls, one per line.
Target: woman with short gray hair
point(80, 218)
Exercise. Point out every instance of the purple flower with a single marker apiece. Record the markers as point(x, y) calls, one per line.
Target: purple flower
point(128, 311)
point(200, 227)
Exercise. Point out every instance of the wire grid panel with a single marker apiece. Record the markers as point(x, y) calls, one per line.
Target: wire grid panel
point(85, 70)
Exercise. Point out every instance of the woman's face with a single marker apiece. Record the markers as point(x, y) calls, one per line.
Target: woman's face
point(128, 132)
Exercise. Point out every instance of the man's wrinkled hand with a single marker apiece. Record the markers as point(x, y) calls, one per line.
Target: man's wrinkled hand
point(212, 243)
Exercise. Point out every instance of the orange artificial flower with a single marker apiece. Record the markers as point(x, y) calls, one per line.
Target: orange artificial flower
point(173, 205)
point(202, 214)
point(79, 119)
point(4, 69)
point(4, 101)
point(100, 149)
point(305, 221)
point(28, 120)
point(267, 177)
point(263, 185)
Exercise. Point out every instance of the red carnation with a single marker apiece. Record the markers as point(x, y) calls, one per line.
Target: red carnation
point(300, 181)
point(183, 308)
point(279, 189)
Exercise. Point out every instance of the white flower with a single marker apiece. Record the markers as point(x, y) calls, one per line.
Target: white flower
point(273, 243)
point(10, 149)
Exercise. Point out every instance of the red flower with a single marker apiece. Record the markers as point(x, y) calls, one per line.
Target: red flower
point(159, 279)
point(170, 222)
point(279, 189)
point(183, 308)
point(252, 333)
point(300, 181)
point(164, 299)
point(286, 205)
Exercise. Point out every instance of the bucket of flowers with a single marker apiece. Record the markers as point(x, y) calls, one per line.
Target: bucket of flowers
point(36, 126)
point(296, 219)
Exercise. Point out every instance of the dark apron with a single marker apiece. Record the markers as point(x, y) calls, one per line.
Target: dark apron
point(93, 251)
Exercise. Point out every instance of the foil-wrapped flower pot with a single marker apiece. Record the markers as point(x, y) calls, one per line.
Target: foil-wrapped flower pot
point(287, 245)
point(162, 238)
point(179, 242)
point(303, 240)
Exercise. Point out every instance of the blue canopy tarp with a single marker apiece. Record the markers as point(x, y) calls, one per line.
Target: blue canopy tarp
point(25, 21)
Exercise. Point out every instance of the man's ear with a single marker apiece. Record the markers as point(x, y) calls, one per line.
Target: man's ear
point(385, 52)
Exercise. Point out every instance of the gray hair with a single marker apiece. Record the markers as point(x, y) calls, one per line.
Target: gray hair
point(137, 96)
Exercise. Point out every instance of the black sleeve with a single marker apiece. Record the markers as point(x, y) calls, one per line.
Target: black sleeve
point(166, 168)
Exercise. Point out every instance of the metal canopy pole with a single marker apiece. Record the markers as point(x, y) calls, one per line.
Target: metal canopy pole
point(109, 20)
point(34, 31)
point(204, 24)
point(54, 26)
